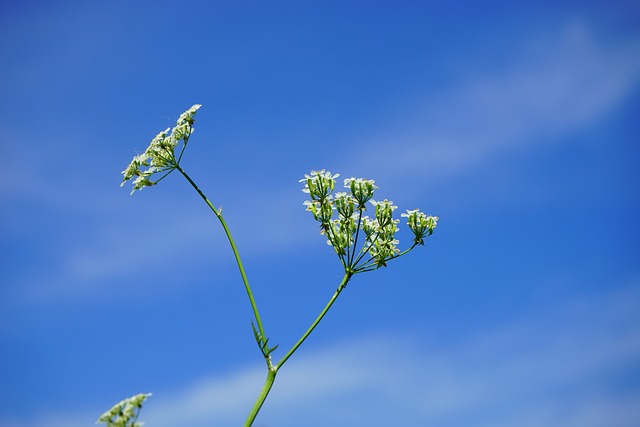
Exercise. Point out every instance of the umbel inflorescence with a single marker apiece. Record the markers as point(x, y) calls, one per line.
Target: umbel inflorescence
point(160, 157)
point(125, 413)
point(361, 231)
point(341, 217)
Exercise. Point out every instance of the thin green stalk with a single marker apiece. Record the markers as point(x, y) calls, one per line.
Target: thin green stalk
point(343, 284)
point(268, 383)
point(355, 242)
point(370, 264)
point(233, 247)
point(273, 370)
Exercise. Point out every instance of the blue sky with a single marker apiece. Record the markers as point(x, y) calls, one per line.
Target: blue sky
point(516, 124)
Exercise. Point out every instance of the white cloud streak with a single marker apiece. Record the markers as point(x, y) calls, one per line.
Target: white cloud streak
point(557, 367)
point(554, 85)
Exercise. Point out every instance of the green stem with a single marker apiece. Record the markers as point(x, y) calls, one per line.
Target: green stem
point(233, 247)
point(355, 241)
point(271, 376)
point(343, 284)
point(273, 370)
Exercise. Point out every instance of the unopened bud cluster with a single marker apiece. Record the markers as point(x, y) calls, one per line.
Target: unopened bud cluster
point(342, 230)
point(125, 413)
point(160, 156)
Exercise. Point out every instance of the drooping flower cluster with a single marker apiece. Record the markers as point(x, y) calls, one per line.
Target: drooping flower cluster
point(160, 156)
point(124, 413)
point(342, 230)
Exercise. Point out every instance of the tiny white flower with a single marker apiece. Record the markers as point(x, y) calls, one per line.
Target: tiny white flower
point(361, 189)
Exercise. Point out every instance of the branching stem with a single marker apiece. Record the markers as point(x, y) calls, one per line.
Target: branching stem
point(343, 284)
point(273, 370)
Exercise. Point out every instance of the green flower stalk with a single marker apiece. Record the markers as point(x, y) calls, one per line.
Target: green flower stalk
point(362, 243)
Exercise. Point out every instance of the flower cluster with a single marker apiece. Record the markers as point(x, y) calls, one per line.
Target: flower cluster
point(421, 224)
point(124, 413)
point(380, 232)
point(342, 230)
point(361, 189)
point(160, 156)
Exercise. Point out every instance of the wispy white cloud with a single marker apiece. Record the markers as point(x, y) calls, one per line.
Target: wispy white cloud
point(110, 261)
point(558, 366)
point(557, 83)
point(554, 84)
point(100, 260)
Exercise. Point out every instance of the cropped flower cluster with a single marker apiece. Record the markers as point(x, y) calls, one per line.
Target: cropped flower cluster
point(341, 217)
point(124, 413)
point(160, 156)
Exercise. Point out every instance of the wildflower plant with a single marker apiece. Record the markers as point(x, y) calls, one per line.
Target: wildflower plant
point(362, 242)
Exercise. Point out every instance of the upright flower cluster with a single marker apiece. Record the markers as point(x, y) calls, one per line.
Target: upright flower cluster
point(125, 413)
point(421, 224)
point(341, 219)
point(160, 156)
point(380, 232)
